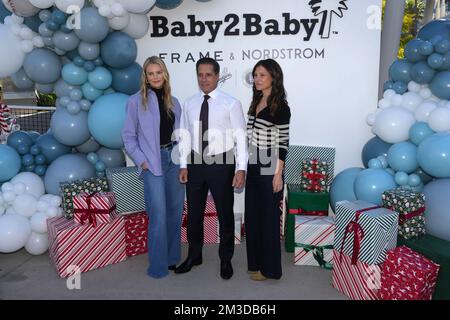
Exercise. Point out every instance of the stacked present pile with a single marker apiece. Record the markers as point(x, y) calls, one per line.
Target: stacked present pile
point(314, 175)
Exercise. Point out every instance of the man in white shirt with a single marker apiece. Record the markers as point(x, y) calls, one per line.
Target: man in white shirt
point(213, 155)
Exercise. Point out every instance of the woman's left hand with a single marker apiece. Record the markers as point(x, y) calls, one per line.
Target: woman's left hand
point(277, 183)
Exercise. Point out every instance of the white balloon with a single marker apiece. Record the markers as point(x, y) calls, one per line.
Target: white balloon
point(423, 111)
point(2, 201)
point(27, 46)
point(439, 119)
point(384, 103)
point(2, 210)
point(370, 120)
point(138, 26)
point(19, 187)
point(392, 124)
point(7, 186)
point(26, 33)
point(104, 10)
point(37, 243)
point(9, 196)
point(64, 4)
point(42, 205)
point(137, 6)
point(14, 232)
point(51, 212)
point(34, 184)
point(442, 103)
point(10, 210)
point(15, 28)
point(118, 10)
point(397, 100)
point(448, 104)
point(414, 86)
point(60, 212)
point(425, 93)
point(42, 4)
point(389, 93)
point(21, 7)
point(25, 204)
point(411, 100)
point(38, 222)
point(38, 42)
point(55, 201)
point(118, 23)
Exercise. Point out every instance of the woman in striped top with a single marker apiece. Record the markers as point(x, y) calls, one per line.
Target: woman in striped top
point(268, 134)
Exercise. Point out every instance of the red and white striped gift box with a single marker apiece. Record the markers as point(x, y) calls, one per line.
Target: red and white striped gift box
point(100, 206)
point(359, 282)
point(73, 246)
point(136, 233)
point(313, 231)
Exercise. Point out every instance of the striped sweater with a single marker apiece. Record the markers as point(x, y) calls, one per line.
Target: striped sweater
point(270, 132)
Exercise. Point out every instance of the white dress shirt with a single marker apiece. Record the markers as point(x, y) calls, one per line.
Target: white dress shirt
point(226, 127)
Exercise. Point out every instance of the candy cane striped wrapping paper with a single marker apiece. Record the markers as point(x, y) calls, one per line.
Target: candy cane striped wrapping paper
point(102, 201)
point(84, 247)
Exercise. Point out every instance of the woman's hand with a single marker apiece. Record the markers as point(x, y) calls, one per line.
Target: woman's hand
point(144, 165)
point(277, 183)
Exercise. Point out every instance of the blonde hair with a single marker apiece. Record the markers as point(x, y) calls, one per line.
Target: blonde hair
point(145, 86)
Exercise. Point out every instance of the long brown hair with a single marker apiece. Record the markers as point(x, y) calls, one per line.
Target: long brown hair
point(145, 86)
point(277, 96)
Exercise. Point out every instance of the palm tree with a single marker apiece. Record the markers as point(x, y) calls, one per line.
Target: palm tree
point(327, 8)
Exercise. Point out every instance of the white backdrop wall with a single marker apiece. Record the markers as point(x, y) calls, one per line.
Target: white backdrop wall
point(331, 80)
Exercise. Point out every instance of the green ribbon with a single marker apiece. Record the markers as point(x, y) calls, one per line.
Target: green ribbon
point(317, 252)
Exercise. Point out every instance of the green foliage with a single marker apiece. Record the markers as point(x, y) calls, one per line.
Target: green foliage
point(45, 99)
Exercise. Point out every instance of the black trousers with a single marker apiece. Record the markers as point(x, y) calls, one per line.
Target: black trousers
point(217, 177)
point(262, 223)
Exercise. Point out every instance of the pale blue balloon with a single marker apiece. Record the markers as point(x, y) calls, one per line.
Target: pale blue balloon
point(425, 178)
point(168, 4)
point(74, 75)
point(100, 78)
point(119, 50)
point(69, 168)
point(93, 27)
point(44, 15)
point(375, 164)
point(440, 85)
point(51, 148)
point(383, 161)
point(92, 157)
point(44, 31)
point(65, 41)
point(85, 104)
point(89, 66)
point(112, 158)
point(64, 101)
point(100, 166)
point(63, 88)
point(419, 131)
point(76, 94)
point(414, 180)
point(69, 129)
point(21, 80)
point(91, 93)
point(373, 148)
point(402, 156)
point(437, 214)
point(73, 107)
point(371, 183)
point(89, 146)
point(433, 155)
point(107, 118)
point(42, 66)
point(10, 162)
point(127, 80)
point(45, 88)
point(89, 51)
point(342, 186)
point(401, 178)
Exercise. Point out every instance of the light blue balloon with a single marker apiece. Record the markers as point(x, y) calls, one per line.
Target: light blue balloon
point(414, 180)
point(90, 93)
point(168, 4)
point(89, 51)
point(93, 27)
point(42, 66)
point(89, 146)
point(68, 167)
point(100, 174)
point(98, 62)
point(400, 70)
point(39, 159)
point(69, 129)
point(89, 66)
point(402, 156)
point(435, 60)
point(375, 164)
point(107, 118)
point(437, 214)
point(433, 155)
point(27, 159)
point(442, 46)
point(10, 163)
point(85, 105)
point(40, 170)
point(64, 101)
point(65, 41)
point(383, 160)
point(426, 48)
point(109, 91)
point(76, 94)
point(23, 149)
point(100, 78)
point(412, 51)
point(45, 88)
point(63, 88)
point(118, 50)
point(92, 157)
point(35, 150)
point(425, 178)
point(401, 178)
point(73, 107)
point(74, 75)
point(400, 87)
point(51, 148)
point(48, 41)
point(112, 158)
point(371, 183)
point(79, 62)
point(51, 25)
point(100, 166)
point(419, 131)
point(33, 135)
point(390, 171)
point(29, 168)
point(58, 16)
point(373, 148)
point(422, 73)
point(44, 15)
point(440, 85)
point(127, 80)
point(342, 186)
point(18, 138)
point(21, 80)
point(388, 85)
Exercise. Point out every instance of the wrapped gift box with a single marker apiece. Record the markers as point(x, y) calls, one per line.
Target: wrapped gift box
point(83, 247)
point(314, 238)
point(437, 250)
point(71, 189)
point(303, 203)
point(94, 208)
point(136, 233)
point(411, 206)
point(128, 188)
point(407, 275)
point(360, 281)
point(314, 175)
point(364, 231)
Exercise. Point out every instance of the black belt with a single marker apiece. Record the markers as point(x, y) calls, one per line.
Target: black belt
point(169, 145)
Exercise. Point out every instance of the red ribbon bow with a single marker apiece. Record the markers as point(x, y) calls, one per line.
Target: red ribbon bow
point(308, 213)
point(314, 176)
point(89, 213)
point(403, 217)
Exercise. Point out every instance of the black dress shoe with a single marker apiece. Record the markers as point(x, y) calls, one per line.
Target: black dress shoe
point(187, 265)
point(172, 267)
point(226, 270)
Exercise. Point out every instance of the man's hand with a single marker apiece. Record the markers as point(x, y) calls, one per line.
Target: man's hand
point(183, 176)
point(144, 166)
point(239, 179)
point(277, 183)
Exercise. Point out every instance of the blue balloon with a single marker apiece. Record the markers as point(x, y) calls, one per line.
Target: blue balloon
point(51, 148)
point(98, 62)
point(35, 150)
point(58, 16)
point(10, 162)
point(383, 161)
point(100, 166)
point(342, 186)
point(435, 28)
point(100, 78)
point(76, 94)
point(62, 88)
point(89, 146)
point(27, 160)
point(445, 62)
point(23, 149)
point(127, 80)
point(91, 93)
point(425, 178)
point(18, 138)
point(107, 118)
point(412, 50)
point(89, 51)
point(39, 159)
point(388, 85)
point(435, 60)
point(79, 61)
point(92, 157)
point(112, 158)
point(89, 66)
point(64, 101)
point(373, 148)
point(74, 75)
point(33, 135)
point(118, 50)
point(40, 170)
point(65, 41)
point(400, 70)
point(3, 12)
point(437, 203)
point(414, 180)
point(168, 4)
point(400, 87)
point(426, 48)
point(422, 73)
point(85, 105)
point(52, 25)
point(33, 22)
point(440, 85)
point(93, 27)
point(375, 164)
point(100, 174)
point(44, 15)
point(402, 156)
point(401, 178)
point(21, 80)
point(419, 131)
point(73, 107)
point(68, 167)
point(371, 183)
point(29, 168)
point(442, 46)
point(42, 66)
point(70, 129)
point(433, 155)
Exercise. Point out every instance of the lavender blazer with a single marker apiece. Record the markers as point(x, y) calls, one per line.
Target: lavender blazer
point(140, 133)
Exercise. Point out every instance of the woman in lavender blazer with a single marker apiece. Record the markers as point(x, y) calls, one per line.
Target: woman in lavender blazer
point(153, 115)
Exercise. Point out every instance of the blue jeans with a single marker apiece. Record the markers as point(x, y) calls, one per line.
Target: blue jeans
point(164, 198)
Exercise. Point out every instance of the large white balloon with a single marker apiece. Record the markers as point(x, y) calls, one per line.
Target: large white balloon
point(137, 6)
point(64, 4)
point(424, 109)
point(12, 56)
point(118, 23)
point(392, 124)
point(21, 8)
point(411, 100)
point(25, 204)
point(42, 4)
point(38, 222)
point(34, 184)
point(14, 232)
point(138, 26)
point(439, 119)
point(37, 243)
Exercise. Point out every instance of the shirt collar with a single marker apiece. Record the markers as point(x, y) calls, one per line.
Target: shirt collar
point(213, 94)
